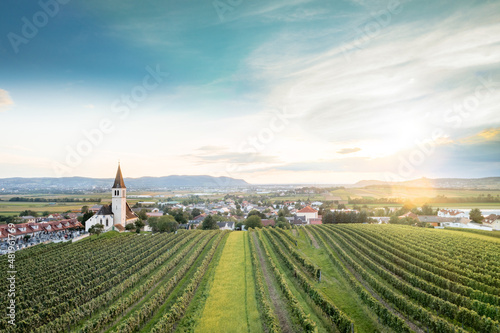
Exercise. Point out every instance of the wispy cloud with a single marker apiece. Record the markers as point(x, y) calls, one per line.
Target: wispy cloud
point(5, 100)
point(222, 155)
point(348, 150)
point(395, 90)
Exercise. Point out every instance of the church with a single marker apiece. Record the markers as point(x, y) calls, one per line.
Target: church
point(118, 214)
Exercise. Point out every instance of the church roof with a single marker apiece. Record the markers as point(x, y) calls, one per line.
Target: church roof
point(130, 213)
point(119, 183)
point(105, 210)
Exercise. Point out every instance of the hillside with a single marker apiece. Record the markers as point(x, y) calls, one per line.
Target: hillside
point(470, 183)
point(83, 183)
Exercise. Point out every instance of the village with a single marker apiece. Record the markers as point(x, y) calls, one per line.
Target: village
point(233, 212)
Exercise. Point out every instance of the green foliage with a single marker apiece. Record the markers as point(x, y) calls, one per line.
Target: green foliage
point(475, 215)
point(253, 221)
point(28, 213)
point(130, 227)
point(142, 214)
point(282, 223)
point(86, 217)
point(165, 223)
point(209, 223)
point(96, 229)
point(335, 217)
point(195, 212)
point(256, 213)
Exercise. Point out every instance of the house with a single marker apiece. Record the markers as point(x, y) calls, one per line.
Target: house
point(381, 219)
point(410, 215)
point(225, 225)
point(298, 220)
point(33, 229)
point(438, 221)
point(268, 222)
point(28, 219)
point(492, 221)
point(198, 219)
point(308, 213)
point(55, 216)
point(452, 213)
point(95, 208)
point(118, 214)
point(155, 213)
point(317, 220)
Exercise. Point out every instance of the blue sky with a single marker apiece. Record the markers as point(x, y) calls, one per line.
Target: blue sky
point(269, 91)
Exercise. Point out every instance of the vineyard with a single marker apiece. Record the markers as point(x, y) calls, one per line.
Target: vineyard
point(328, 278)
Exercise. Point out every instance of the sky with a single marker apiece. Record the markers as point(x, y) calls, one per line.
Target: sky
point(292, 91)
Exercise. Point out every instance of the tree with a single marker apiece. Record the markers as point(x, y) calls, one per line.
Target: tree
point(28, 213)
point(85, 209)
point(138, 225)
point(86, 216)
point(394, 219)
point(256, 213)
point(96, 229)
point(476, 215)
point(142, 214)
point(282, 223)
point(195, 212)
point(209, 223)
point(180, 216)
point(130, 227)
point(253, 221)
point(165, 223)
point(427, 210)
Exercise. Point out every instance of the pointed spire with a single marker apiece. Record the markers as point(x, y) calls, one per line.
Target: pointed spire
point(119, 183)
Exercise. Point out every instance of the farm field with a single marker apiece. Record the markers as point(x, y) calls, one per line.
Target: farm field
point(328, 278)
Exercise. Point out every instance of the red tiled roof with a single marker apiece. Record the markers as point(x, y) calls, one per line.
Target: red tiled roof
point(268, 222)
point(307, 209)
point(31, 227)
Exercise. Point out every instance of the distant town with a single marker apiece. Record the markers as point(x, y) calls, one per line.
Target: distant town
point(231, 209)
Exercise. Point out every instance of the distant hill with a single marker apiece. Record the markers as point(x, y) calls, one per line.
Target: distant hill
point(471, 183)
point(83, 183)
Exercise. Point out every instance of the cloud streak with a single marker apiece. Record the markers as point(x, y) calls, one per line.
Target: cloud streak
point(5, 100)
point(348, 150)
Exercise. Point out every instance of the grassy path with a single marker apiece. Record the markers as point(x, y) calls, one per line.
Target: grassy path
point(231, 305)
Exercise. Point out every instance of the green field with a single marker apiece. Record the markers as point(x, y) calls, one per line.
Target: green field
point(233, 291)
point(330, 278)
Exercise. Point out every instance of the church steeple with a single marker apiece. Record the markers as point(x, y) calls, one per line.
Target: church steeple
point(119, 183)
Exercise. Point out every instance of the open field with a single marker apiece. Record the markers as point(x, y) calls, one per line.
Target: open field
point(410, 193)
point(329, 278)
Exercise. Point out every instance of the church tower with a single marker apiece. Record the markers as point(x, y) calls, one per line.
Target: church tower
point(119, 199)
